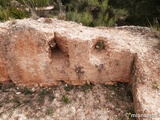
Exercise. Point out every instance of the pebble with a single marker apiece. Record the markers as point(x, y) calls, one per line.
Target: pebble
point(56, 103)
point(33, 89)
point(112, 93)
point(18, 93)
point(57, 95)
point(73, 110)
point(80, 95)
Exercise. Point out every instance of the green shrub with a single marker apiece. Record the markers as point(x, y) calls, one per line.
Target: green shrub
point(17, 14)
point(85, 17)
point(17, 11)
point(34, 3)
point(4, 14)
point(4, 3)
point(140, 11)
point(65, 99)
point(93, 13)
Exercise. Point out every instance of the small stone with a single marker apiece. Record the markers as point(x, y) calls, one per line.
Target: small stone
point(80, 95)
point(33, 89)
point(18, 93)
point(112, 93)
point(57, 95)
point(73, 110)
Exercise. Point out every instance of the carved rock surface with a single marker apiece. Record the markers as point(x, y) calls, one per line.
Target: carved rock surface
point(46, 54)
point(37, 52)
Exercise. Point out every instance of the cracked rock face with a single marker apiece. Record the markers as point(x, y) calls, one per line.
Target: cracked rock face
point(33, 52)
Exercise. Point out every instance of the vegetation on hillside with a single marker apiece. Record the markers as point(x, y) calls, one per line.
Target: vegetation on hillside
point(87, 12)
point(9, 10)
point(94, 12)
point(141, 12)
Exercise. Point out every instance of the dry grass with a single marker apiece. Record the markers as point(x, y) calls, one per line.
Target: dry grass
point(66, 102)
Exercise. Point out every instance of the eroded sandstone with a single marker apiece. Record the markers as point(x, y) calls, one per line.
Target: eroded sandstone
point(32, 58)
point(33, 52)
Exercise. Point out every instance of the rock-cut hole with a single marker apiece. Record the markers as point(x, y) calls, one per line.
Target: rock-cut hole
point(55, 51)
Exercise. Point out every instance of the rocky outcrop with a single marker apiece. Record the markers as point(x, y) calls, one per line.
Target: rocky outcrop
point(47, 51)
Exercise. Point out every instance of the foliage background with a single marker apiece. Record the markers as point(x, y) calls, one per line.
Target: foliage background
point(87, 12)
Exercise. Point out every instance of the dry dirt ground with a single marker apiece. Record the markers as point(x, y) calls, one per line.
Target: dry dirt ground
point(66, 102)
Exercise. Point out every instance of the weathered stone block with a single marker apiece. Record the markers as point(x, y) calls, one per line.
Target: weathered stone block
point(31, 58)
